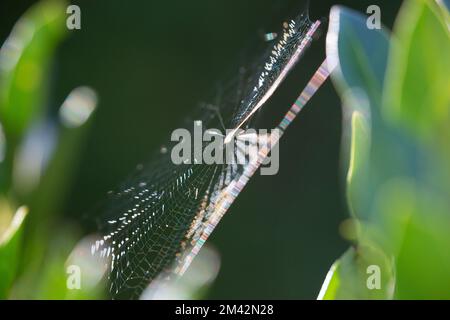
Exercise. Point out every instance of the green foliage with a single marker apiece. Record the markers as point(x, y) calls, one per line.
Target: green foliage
point(396, 103)
point(32, 255)
point(361, 53)
point(417, 98)
point(417, 89)
point(25, 61)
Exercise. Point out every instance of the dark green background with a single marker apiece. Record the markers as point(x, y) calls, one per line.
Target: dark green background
point(151, 62)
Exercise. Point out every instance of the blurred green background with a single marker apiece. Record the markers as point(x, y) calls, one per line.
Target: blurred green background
point(150, 63)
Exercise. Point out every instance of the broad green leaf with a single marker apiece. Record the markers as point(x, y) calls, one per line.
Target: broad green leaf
point(417, 91)
point(417, 97)
point(360, 53)
point(10, 250)
point(400, 177)
point(363, 272)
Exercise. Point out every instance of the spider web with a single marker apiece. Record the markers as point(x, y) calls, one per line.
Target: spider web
point(155, 219)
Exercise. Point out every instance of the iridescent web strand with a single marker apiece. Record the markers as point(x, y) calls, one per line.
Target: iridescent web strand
point(235, 187)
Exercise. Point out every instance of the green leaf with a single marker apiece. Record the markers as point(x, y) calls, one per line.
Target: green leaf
point(423, 263)
point(359, 53)
point(398, 179)
point(357, 137)
point(360, 56)
point(331, 285)
point(417, 98)
point(10, 249)
point(24, 63)
point(415, 228)
point(417, 91)
point(361, 273)
point(24, 66)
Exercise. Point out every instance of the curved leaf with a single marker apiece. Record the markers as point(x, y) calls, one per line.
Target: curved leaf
point(360, 56)
point(10, 247)
point(363, 272)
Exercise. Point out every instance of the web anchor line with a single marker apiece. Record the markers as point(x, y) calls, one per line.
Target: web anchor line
point(230, 193)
